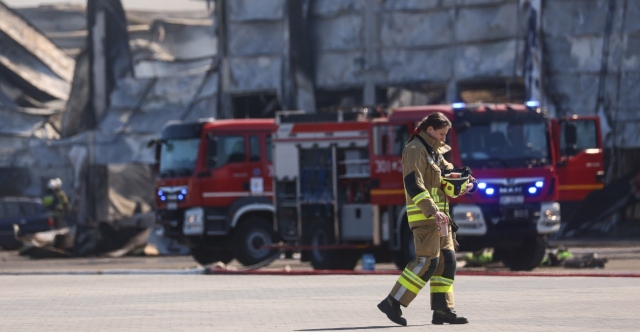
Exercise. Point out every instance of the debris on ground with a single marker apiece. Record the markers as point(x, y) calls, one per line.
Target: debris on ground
point(561, 256)
point(478, 258)
point(591, 260)
point(596, 214)
point(132, 236)
point(558, 257)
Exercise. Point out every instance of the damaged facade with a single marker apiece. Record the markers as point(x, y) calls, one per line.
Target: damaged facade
point(76, 108)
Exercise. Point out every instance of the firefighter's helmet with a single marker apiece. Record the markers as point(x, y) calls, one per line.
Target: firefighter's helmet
point(453, 183)
point(54, 183)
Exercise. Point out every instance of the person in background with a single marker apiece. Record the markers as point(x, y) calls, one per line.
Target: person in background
point(57, 203)
point(423, 168)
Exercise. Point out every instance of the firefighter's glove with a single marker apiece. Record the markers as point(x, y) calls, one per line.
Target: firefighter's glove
point(474, 182)
point(466, 171)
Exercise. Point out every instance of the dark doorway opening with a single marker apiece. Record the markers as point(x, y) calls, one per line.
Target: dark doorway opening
point(331, 100)
point(415, 94)
point(261, 105)
point(491, 91)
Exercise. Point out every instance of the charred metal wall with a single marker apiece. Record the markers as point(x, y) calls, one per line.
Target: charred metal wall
point(360, 45)
point(253, 45)
point(174, 79)
point(593, 63)
point(414, 41)
point(553, 50)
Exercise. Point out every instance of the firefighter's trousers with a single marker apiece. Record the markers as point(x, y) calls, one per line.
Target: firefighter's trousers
point(436, 262)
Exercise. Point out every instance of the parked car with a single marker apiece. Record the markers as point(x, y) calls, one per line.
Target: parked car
point(27, 213)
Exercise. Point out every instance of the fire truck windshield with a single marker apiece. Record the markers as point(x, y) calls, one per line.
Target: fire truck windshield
point(505, 145)
point(178, 157)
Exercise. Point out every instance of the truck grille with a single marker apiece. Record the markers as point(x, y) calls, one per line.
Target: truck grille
point(509, 214)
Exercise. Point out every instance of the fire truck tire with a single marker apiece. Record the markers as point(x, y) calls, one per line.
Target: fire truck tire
point(251, 235)
point(407, 250)
point(526, 257)
point(206, 256)
point(320, 234)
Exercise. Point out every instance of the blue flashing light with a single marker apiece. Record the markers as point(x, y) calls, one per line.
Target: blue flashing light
point(533, 103)
point(490, 191)
point(539, 184)
point(180, 197)
point(458, 105)
point(160, 193)
point(533, 190)
point(184, 191)
point(163, 198)
point(482, 185)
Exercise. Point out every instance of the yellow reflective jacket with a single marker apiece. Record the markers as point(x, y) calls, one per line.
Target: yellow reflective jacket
point(56, 202)
point(422, 180)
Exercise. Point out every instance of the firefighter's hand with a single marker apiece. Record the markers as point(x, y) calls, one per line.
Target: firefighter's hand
point(441, 218)
point(466, 189)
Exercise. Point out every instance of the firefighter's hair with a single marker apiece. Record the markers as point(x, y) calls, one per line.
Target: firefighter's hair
point(436, 120)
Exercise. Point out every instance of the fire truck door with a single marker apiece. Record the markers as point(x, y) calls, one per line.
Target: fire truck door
point(386, 163)
point(230, 171)
point(580, 168)
point(260, 182)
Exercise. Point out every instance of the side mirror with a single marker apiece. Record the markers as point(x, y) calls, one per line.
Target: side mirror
point(156, 142)
point(152, 142)
point(212, 151)
point(570, 138)
point(462, 126)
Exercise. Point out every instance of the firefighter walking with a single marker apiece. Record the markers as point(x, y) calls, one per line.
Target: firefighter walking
point(426, 190)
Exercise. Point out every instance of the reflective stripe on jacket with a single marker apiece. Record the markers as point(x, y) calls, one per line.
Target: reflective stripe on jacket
point(56, 202)
point(422, 180)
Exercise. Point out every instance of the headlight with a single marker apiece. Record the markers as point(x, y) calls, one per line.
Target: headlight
point(469, 218)
point(193, 221)
point(549, 221)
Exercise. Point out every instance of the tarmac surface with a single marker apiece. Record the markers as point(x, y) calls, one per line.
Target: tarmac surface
point(176, 294)
point(159, 302)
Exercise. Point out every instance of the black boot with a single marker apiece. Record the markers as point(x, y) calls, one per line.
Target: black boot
point(391, 307)
point(447, 316)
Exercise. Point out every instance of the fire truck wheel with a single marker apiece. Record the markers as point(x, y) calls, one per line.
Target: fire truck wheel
point(321, 234)
point(407, 250)
point(526, 257)
point(206, 256)
point(252, 234)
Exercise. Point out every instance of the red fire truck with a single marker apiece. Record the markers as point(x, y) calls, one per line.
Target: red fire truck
point(214, 189)
point(338, 180)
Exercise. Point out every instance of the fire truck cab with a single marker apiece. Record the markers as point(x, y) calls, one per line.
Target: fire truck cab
point(529, 168)
point(214, 188)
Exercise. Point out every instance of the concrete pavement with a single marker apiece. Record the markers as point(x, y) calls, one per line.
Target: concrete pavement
point(162, 302)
